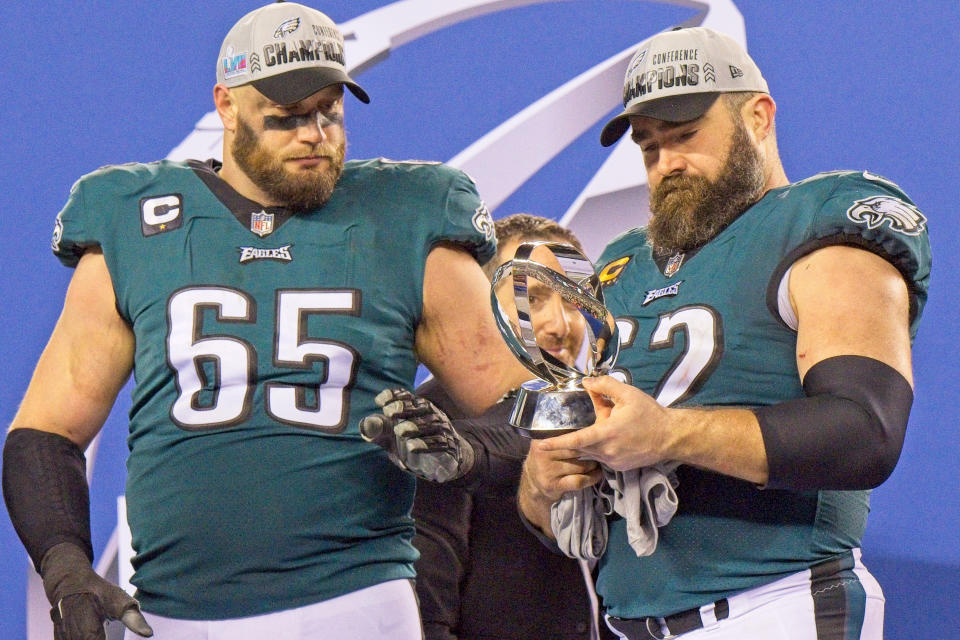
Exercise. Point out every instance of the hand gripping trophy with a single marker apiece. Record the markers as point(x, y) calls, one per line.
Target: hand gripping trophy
point(542, 274)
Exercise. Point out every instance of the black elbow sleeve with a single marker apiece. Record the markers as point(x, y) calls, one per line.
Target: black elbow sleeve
point(846, 434)
point(45, 489)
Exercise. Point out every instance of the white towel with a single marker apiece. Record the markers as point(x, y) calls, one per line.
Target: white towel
point(579, 523)
point(645, 498)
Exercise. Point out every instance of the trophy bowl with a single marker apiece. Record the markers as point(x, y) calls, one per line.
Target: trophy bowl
point(541, 411)
point(554, 402)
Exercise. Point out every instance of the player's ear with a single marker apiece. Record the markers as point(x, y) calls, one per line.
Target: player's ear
point(758, 113)
point(225, 101)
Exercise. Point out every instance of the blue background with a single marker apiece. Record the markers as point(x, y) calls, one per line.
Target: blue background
point(868, 85)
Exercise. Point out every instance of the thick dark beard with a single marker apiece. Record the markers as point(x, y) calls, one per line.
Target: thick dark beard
point(687, 211)
point(300, 193)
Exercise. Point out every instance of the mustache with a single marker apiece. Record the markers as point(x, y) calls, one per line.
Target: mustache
point(322, 150)
point(676, 183)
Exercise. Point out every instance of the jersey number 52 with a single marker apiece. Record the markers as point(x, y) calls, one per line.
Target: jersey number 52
point(702, 329)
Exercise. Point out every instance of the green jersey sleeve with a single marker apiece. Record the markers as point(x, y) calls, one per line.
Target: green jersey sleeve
point(74, 232)
point(467, 221)
point(865, 210)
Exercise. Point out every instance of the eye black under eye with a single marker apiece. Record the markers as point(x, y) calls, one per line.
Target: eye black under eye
point(330, 117)
point(286, 123)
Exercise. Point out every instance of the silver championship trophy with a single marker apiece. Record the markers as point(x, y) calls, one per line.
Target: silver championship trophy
point(555, 402)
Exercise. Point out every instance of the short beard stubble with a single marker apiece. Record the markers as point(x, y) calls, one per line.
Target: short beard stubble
point(688, 211)
point(266, 170)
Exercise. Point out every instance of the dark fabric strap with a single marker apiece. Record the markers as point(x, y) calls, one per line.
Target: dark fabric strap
point(838, 605)
point(677, 623)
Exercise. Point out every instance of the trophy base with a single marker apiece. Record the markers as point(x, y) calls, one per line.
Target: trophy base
point(544, 411)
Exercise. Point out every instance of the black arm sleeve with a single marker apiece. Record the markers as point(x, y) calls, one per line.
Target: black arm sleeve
point(846, 434)
point(45, 489)
point(497, 448)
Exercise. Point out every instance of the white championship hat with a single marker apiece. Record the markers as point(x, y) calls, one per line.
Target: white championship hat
point(676, 75)
point(287, 52)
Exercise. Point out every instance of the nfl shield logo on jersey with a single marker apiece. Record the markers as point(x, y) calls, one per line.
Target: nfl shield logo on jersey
point(261, 223)
point(673, 264)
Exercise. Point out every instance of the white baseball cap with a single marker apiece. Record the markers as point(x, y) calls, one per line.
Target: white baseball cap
point(677, 75)
point(287, 52)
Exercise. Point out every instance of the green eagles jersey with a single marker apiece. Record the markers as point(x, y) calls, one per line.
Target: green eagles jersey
point(706, 328)
point(262, 338)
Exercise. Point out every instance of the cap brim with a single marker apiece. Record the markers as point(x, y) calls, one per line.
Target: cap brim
point(294, 86)
point(682, 108)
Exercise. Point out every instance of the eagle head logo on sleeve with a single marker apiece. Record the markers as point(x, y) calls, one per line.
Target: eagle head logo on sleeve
point(483, 222)
point(57, 233)
point(901, 216)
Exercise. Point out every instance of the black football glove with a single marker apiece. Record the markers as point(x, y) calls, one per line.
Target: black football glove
point(417, 437)
point(82, 600)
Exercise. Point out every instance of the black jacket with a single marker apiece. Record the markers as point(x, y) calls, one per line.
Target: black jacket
point(481, 574)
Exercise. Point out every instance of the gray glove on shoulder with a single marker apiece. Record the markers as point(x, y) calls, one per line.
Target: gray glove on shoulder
point(417, 437)
point(82, 600)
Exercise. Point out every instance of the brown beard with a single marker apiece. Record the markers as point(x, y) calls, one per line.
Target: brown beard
point(266, 170)
point(687, 211)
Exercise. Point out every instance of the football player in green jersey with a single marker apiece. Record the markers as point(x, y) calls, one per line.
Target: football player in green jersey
point(766, 331)
point(246, 298)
